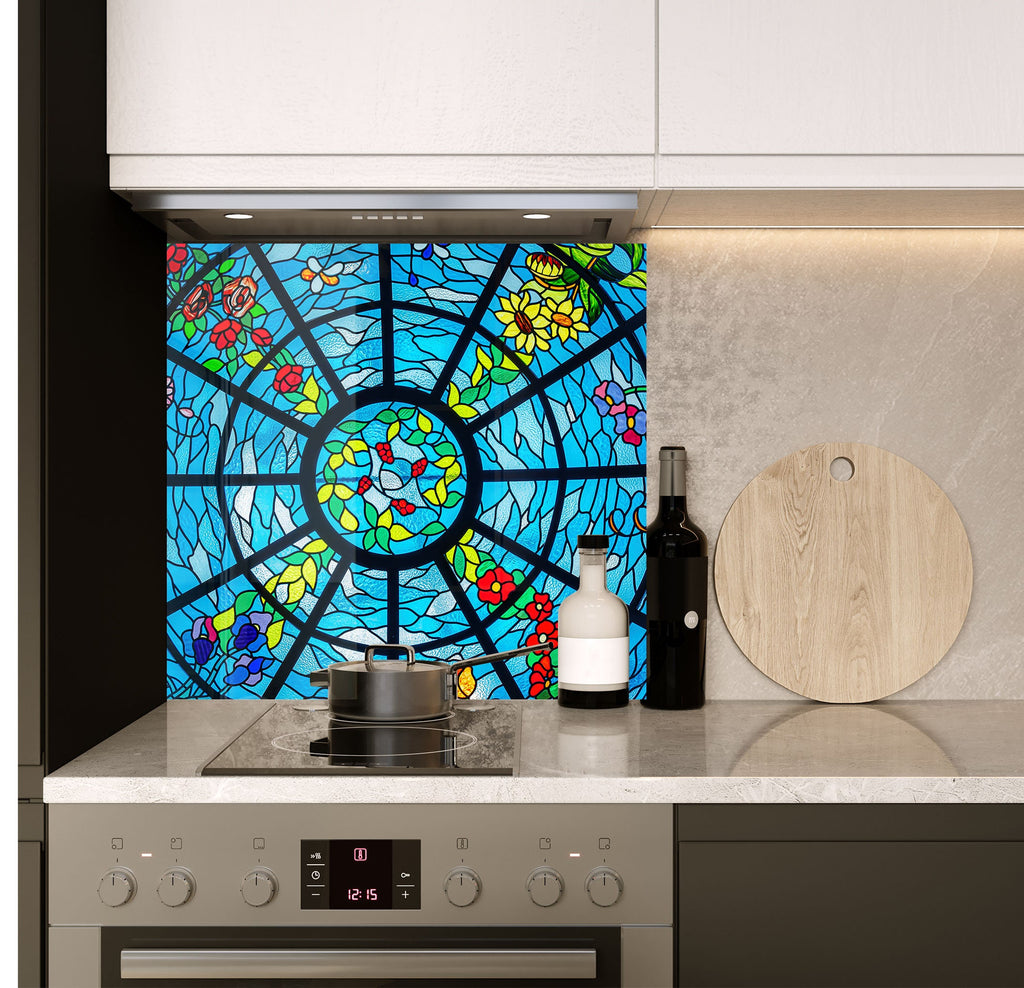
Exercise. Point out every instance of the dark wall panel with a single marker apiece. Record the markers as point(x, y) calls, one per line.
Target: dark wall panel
point(103, 286)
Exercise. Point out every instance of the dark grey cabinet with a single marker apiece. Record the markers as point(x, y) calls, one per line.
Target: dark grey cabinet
point(850, 896)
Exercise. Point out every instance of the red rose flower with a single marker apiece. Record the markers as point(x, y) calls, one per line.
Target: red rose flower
point(418, 467)
point(177, 255)
point(541, 676)
point(540, 607)
point(239, 296)
point(545, 635)
point(495, 586)
point(260, 336)
point(364, 485)
point(288, 378)
point(198, 301)
point(225, 333)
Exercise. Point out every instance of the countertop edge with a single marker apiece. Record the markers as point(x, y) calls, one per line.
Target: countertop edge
point(535, 789)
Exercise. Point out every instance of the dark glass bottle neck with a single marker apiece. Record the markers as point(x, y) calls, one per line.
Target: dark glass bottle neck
point(672, 504)
point(672, 482)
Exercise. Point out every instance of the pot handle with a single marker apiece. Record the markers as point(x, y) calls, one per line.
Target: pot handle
point(319, 677)
point(368, 657)
point(498, 656)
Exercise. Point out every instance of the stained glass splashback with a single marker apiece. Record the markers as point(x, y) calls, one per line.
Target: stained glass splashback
point(373, 443)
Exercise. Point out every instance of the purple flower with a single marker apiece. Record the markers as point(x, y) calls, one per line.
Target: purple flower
point(250, 631)
point(248, 671)
point(609, 398)
point(202, 649)
point(631, 424)
point(204, 636)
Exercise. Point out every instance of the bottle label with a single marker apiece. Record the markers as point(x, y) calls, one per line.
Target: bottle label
point(593, 663)
point(676, 588)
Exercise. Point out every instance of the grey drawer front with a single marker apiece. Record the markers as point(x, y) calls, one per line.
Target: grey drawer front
point(850, 913)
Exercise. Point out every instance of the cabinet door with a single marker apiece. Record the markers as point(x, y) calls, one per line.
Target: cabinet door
point(803, 77)
point(850, 913)
point(341, 77)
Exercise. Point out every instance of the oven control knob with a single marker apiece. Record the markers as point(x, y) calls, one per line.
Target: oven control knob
point(117, 887)
point(604, 887)
point(545, 886)
point(462, 886)
point(259, 886)
point(176, 887)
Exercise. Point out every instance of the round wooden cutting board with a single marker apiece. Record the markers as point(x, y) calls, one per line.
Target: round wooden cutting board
point(843, 590)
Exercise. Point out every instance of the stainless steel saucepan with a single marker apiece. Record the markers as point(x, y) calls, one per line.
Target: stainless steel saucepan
point(395, 691)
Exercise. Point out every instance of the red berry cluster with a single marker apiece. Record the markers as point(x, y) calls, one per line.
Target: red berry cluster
point(403, 507)
point(384, 452)
point(364, 485)
point(418, 467)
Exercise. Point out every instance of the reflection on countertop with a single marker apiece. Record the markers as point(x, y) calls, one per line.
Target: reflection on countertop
point(729, 751)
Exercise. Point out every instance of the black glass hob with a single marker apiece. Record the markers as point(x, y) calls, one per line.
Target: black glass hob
point(298, 737)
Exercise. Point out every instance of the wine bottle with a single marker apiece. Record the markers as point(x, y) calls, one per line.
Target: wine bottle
point(677, 594)
point(593, 635)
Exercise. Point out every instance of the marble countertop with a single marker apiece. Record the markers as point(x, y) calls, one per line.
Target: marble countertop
point(967, 751)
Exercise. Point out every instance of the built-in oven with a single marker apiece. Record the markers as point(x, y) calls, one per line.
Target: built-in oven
point(316, 894)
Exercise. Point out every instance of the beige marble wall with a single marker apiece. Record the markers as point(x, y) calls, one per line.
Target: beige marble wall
point(762, 342)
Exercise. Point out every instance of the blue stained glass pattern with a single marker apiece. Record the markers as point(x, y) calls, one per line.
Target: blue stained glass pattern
point(372, 443)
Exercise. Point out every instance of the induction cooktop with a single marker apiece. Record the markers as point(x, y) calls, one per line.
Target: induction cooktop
point(298, 737)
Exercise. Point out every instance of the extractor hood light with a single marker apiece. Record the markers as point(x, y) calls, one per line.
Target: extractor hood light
point(238, 216)
point(536, 216)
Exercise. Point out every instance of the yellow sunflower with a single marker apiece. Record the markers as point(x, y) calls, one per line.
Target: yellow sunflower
point(564, 318)
point(522, 322)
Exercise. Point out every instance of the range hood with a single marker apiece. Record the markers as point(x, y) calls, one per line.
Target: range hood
point(370, 216)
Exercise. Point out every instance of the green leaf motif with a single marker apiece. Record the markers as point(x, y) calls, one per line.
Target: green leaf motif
point(334, 446)
point(370, 513)
point(416, 437)
point(636, 254)
point(591, 302)
point(214, 364)
point(321, 402)
point(370, 539)
point(434, 528)
point(295, 558)
point(351, 427)
point(200, 255)
point(452, 499)
point(406, 413)
point(387, 416)
point(635, 279)
point(503, 375)
point(383, 538)
point(244, 601)
point(444, 448)
point(227, 265)
point(459, 562)
point(190, 330)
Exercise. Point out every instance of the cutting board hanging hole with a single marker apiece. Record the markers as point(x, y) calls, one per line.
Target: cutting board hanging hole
point(841, 468)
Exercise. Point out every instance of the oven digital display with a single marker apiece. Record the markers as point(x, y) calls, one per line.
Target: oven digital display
point(360, 874)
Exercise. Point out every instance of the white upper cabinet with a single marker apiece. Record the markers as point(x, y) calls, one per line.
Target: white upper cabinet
point(381, 78)
point(837, 77)
point(820, 78)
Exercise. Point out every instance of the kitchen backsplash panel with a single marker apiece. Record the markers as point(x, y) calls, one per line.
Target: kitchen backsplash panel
point(767, 341)
point(374, 443)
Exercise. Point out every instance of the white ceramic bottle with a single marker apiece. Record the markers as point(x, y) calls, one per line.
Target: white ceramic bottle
point(593, 635)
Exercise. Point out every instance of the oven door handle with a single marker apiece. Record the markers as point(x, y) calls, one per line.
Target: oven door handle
point(447, 965)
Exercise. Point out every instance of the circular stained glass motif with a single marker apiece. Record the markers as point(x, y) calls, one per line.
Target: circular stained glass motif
point(397, 443)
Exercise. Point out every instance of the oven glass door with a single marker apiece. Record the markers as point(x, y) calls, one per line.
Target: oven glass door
point(404, 956)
